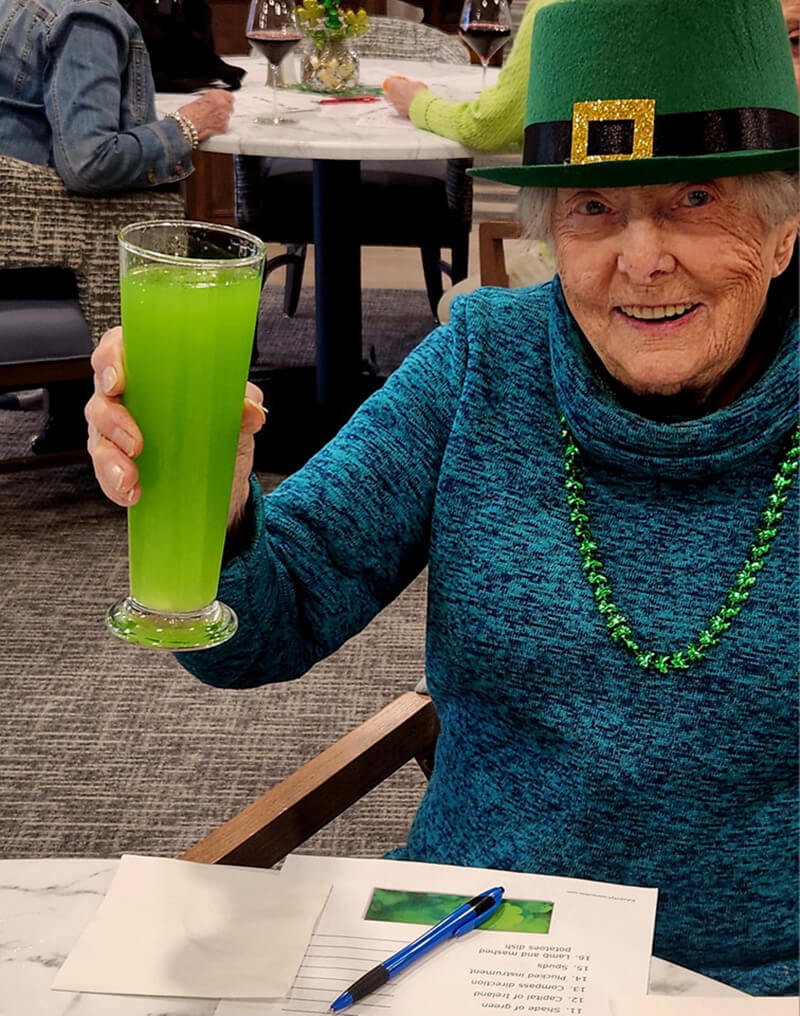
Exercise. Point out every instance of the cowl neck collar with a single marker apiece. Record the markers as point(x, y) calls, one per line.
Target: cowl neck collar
point(617, 436)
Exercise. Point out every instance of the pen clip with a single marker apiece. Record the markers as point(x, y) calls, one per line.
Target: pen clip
point(481, 908)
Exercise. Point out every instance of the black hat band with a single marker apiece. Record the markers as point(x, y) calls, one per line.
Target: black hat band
point(668, 134)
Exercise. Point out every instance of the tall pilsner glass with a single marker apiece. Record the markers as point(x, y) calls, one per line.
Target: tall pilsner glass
point(190, 294)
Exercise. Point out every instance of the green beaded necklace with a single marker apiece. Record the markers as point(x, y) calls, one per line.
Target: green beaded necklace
point(616, 622)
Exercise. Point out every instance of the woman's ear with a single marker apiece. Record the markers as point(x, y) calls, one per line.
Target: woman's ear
point(785, 239)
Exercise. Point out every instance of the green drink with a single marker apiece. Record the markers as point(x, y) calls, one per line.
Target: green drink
point(188, 320)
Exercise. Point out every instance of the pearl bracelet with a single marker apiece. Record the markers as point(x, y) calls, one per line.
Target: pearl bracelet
point(188, 129)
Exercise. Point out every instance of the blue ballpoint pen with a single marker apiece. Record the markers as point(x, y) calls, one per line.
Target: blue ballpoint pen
point(466, 917)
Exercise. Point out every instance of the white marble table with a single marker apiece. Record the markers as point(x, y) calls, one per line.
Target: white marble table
point(342, 131)
point(336, 138)
point(45, 905)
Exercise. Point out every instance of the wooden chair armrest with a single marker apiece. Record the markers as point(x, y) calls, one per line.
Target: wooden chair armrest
point(491, 234)
point(287, 815)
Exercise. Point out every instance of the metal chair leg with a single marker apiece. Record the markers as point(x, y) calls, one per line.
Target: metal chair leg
point(295, 265)
point(433, 275)
point(460, 258)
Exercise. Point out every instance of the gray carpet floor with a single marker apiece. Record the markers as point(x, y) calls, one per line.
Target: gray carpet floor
point(106, 748)
point(393, 322)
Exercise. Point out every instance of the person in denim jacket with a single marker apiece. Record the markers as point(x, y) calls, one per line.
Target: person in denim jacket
point(77, 94)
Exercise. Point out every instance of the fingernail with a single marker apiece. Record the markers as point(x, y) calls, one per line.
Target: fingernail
point(108, 380)
point(119, 477)
point(124, 441)
point(259, 406)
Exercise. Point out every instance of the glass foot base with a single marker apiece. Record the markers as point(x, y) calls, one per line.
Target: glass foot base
point(273, 121)
point(200, 629)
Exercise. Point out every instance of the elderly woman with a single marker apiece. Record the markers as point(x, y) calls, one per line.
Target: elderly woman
point(598, 472)
point(495, 122)
point(77, 93)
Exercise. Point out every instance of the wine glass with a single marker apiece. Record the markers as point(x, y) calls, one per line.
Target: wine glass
point(272, 29)
point(485, 26)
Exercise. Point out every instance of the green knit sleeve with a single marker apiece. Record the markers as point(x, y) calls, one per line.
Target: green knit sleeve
point(340, 538)
point(494, 121)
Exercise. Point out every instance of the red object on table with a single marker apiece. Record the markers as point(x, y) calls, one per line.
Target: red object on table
point(353, 98)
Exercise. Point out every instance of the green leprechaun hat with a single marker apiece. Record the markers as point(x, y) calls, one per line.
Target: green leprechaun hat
point(625, 92)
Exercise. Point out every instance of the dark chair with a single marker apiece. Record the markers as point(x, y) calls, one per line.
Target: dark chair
point(425, 204)
point(45, 341)
point(59, 282)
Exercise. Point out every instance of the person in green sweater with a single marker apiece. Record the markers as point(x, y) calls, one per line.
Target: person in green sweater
point(492, 122)
point(600, 473)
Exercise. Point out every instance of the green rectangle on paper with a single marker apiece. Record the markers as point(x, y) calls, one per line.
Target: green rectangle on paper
point(396, 905)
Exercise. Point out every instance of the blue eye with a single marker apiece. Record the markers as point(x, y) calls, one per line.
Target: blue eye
point(594, 208)
point(696, 198)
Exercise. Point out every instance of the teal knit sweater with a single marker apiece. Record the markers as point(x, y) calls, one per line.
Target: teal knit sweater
point(557, 754)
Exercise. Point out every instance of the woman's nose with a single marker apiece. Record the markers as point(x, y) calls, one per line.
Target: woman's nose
point(642, 253)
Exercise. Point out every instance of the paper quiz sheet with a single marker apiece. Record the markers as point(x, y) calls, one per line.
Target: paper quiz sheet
point(555, 947)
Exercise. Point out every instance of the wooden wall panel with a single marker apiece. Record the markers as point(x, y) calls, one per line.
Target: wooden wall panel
point(208, 192)
point(228, 21)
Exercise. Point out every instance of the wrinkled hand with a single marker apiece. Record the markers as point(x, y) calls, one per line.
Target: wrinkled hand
point(400, 91)
point(210, 113)
point(115, 440)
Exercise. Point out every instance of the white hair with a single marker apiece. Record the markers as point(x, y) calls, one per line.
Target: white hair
point(774, 196)
point(534, 211)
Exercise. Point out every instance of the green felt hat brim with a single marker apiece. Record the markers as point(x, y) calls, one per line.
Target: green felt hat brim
point(641, 172)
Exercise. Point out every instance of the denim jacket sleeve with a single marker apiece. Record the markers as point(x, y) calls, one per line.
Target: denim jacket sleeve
point(98, 94)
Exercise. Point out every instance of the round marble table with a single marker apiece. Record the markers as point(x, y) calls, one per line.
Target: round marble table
point(46, 904)
point(338, 131)
point(336, 138)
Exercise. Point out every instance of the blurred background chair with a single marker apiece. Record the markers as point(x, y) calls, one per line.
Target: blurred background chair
point(59, 291)
point(527, 262)
point(491, 251)
point(425, 204)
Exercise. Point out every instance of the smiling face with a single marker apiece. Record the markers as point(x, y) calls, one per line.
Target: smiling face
point(791, 15)
point(667, 282)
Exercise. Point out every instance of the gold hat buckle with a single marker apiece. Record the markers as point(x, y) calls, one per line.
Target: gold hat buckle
point(641, 111)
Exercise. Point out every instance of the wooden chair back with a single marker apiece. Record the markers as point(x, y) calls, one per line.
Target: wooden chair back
point(281, 820)
point(491, 234)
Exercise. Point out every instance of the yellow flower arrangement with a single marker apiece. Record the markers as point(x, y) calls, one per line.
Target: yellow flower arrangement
point(327, 21)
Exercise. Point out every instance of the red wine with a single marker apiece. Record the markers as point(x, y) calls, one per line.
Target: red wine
point(273, 43)
point(485, 37)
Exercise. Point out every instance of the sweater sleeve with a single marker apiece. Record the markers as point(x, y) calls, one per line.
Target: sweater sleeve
point(338, 540)
point(495, 120)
